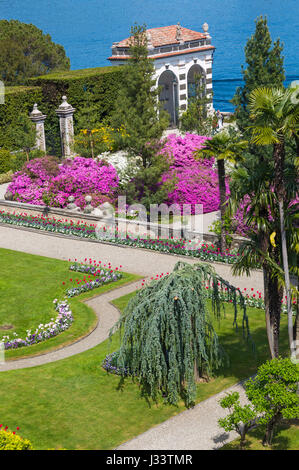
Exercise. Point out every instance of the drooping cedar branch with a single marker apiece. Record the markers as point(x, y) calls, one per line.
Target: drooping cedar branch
point(167, 337)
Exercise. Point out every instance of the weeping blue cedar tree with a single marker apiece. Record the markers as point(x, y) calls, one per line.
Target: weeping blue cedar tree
point(167, 338)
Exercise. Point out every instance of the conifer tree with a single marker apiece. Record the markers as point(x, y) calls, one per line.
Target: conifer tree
point(264, 68)
point(137, 106)
point(168, 340)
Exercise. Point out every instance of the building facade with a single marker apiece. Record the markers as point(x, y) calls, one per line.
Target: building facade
point(179, 55)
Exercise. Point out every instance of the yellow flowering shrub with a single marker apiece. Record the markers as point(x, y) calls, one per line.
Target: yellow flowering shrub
point(11, 441)
point(91, 142)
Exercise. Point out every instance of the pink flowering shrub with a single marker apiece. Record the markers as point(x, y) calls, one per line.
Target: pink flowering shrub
point(196, 180)
point(97, 200)
point(181, 149)
point(195, 185)
point(77, 177)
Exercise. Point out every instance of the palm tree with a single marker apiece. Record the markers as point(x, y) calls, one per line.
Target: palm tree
point(224, 146)
point(276, 117)
point(261, 214)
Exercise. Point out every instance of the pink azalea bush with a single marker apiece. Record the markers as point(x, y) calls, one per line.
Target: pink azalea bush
point(196, 180)
point(77, 177)
point(181, 150)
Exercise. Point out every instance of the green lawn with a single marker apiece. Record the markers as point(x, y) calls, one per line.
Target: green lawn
point(28, 286)
point(75, 404)
point(286, 438)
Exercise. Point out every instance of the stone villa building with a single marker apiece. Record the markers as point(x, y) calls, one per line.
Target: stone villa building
point(179, 55)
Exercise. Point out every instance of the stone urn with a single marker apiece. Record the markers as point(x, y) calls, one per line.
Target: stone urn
point(71, 206)
point(8, 196)
point(88, 208)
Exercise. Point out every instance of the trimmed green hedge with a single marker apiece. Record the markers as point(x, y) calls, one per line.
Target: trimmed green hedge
point(14, 161)
point(17, 100)
point(102, 83)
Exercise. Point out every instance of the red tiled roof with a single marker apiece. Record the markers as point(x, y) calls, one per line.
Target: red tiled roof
point(167, 35)
point(168, 54)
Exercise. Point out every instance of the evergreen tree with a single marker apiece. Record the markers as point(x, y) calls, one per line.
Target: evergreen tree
point(168, 339)
point(195, 118)
point(264, 68)
point(25, 51)
point(137, 106)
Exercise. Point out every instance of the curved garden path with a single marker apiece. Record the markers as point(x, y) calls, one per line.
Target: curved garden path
point(196, 428)
point(139, 261)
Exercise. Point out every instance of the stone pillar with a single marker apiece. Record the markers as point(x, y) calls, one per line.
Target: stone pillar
point(65, 113)
point(38, 119)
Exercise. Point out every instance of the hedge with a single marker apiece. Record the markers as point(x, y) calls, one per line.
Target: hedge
point(17, 100)
point(102, 83)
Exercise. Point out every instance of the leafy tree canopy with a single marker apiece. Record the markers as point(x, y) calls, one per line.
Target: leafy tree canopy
point(25, 51)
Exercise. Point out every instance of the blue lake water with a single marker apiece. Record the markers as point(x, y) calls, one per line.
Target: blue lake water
point(87, 29)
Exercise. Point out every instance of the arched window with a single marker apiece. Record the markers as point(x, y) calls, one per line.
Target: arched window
point(169, 95)
point(195, 78)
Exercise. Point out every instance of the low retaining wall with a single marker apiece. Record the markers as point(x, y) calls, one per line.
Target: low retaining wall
point(134, 227)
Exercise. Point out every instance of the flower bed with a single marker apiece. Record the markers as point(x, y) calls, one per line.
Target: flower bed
point(109, 364)
point(64, 318)
point(182, 247)
point(102, 276)
point(63, 321)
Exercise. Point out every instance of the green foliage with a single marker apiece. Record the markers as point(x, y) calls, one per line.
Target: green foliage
point(10, 441)
point(240, 418)
point(23, 134)
point(144, 186)
point(195, 118)
point(91, 91)
point(27, 52)
point(18, 100)
point(274, 393)
point(264, 68)
point(168, 340)
point(6, 177)
point(10, 162)
point(226, 225)
point(137, 106)
point(5, 164)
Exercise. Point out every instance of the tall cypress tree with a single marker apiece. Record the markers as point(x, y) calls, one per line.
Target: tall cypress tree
point(137, 105)
point(264, 68)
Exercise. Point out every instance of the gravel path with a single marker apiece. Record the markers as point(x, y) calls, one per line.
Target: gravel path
point(196, 428)
point(193, 429)
point(107, 316)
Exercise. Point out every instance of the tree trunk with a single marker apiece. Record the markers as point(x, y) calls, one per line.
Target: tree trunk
point(92, 148)
point(267, 440)
point(296, 329)
point(272, 296)
point(287, 278)
point(279, 188)
point(267, 312)
point(222, 193)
